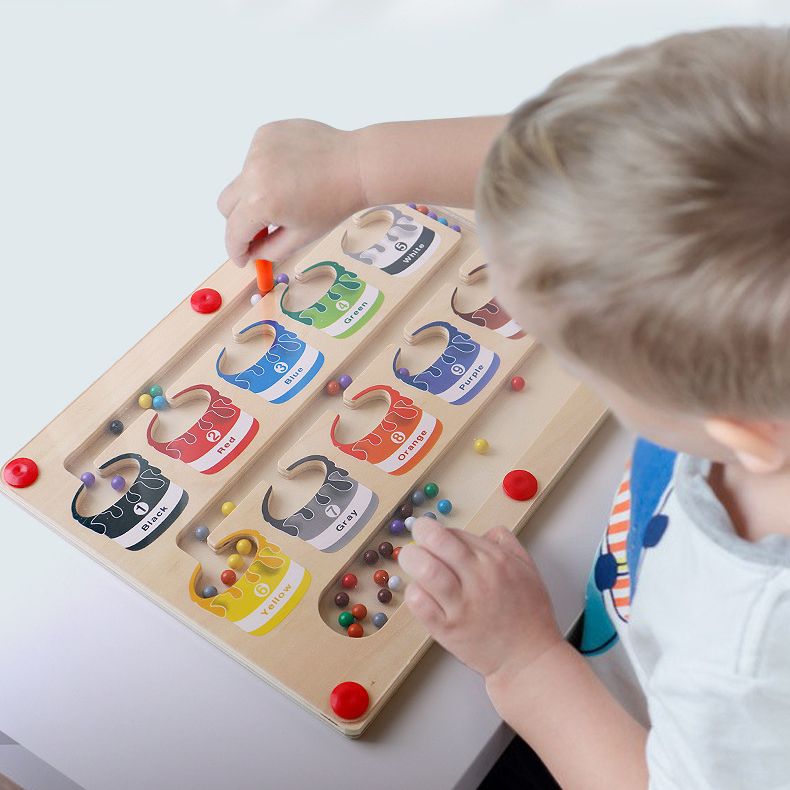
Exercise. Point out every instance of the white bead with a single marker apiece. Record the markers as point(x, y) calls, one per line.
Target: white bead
point(395, 583)
point(409, 522)
point(255, 298)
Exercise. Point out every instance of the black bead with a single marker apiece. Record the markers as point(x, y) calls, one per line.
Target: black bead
point(405, 510)
point(115, 427)
point(385, 549)
point(341, 600)
point(384, 595)
point(370, 557)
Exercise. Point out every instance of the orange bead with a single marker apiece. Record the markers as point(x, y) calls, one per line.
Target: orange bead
point(333, 387)
point(395, 553)
point(423, 209)
point(359, 610)
point(381, 577)
point(355, 630)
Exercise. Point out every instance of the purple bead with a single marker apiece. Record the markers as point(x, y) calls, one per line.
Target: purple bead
point(345, 381)
point(412, 205)
point(433, 215)
point(118, 483)
point(88, 479)
point(397, 526)
point(403, 373)
point(282, 279)
point(456, 228)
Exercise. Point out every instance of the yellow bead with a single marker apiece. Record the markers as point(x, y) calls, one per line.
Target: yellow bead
point(244, 546)
point(235, 561)
point(227, 508)
point(481, 446)
point(145, 401)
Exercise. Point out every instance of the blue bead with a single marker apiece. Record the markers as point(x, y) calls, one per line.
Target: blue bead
point(443, 220)
point(282, 279)
point(429, 515)
point(433, 215)
point(155, 390)
point(159, 402)
point(209, 591)
point(409, 522)
point(444, 506)
point(417, 497)
point(379, 619)
point(397, 527)
point(88, 479)
point(201, 533)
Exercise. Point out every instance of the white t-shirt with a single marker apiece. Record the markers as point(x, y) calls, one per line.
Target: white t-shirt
point(703, 619)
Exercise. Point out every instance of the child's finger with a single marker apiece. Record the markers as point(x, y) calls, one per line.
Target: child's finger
point(442, 542)
point(501, 536)
point(228, 198)
point(243, 225)
point(424, 606)
point(278, 245)
point(432, 574)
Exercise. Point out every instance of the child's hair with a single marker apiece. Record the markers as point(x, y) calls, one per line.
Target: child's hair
point(646, 199)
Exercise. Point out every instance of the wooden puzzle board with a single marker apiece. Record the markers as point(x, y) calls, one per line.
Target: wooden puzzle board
point(280, 618)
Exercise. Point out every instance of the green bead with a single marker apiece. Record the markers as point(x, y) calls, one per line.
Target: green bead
point(345, 619)
point(431, 490)
point(155, 390)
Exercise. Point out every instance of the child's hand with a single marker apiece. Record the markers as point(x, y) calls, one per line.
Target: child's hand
point(481, 598)
point(302, 176)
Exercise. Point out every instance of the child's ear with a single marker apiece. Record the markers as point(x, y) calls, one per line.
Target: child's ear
point(754, 444)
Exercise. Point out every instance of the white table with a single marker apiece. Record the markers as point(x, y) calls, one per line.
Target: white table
point(120, 124)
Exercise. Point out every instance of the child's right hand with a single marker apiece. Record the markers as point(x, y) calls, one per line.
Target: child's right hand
point(300, 175)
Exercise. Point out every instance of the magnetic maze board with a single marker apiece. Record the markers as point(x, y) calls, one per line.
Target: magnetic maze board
point(253, 464)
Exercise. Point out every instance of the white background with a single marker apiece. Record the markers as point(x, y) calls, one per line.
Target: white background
point(119, 124)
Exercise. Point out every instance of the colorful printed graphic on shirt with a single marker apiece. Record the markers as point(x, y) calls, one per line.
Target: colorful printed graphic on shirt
point(283, 371)
point(150, 505)
point(263, 595)
point(491, 316)
point(635, 524)
point(345, 308)
point(336, 512)
point(216, 439)
point(402, 438)
point(405, 247)
point(460, 372)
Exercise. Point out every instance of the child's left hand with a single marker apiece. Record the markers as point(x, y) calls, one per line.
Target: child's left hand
point(481, 598)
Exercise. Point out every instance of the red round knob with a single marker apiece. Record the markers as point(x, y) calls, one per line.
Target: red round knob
point(349, 700)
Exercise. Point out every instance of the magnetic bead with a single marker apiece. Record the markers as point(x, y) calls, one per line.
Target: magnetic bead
point(145, 401)
point(201, 533)
point(118, 483)
point(417, 498)
point(341, 600)
point(409, 522)
point(422, 209)
point(405, 510)
point(456, 228)
point(402, 373)
point(282, 279)
point(379, 619)
point(431, 490)
point(433, 215)
point(481, 446)
point(345, 381)
point(517, 383)
point(395, 583)
point(355, 630)
point(209, 591)
point(236, 561)
point(228, 577)
point(345, 619)
point(444, 506)
point(359, 610)
point(370, 557)
point(349, 581)
point(381, 577)
point(332, 387)
point(444, 220)
point(159, 402)
point(396, 553)
point(385, 549)
point(397, 527)
point(430, 514)
point(243, 547)
point(88, 479)
point(255, 298)
point(384, 595)
point(412, 205)
point(155, 390)
point(115, 427)
point(227, 508)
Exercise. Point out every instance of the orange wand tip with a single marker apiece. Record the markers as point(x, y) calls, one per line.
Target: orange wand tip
point(264, 275)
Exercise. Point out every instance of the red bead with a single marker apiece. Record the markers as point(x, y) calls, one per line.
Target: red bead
point(395, 553)
point(349, 700)
point(349, 581)
point(206, 300)
point(517, 383)
point(228, 577)
point(520, 484)
point(381, 577)
point(360, 611)
point(21, 472)
point(355, 630)
point(332, 387)
point(423, 209)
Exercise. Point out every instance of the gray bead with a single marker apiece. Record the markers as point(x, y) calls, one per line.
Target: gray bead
point(429, 514)
point(209, 591)
point(201, 533)
point(417, 497)
point(379, 619)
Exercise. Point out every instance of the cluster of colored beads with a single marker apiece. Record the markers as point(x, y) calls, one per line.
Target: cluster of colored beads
point(433, 215)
